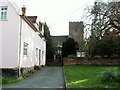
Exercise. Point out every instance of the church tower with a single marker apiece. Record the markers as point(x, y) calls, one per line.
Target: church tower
point(76, 31)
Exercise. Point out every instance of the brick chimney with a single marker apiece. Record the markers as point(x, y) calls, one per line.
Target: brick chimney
point(23, 10)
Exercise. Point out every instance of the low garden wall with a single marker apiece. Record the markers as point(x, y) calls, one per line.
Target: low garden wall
point(89, 61)
point(9, 72)
point(54, 62)
point(14, 72)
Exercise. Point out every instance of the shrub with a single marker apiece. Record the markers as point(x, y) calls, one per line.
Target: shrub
point(42, 65)
point(118, 77)
point(29, 73)
point(110, 76)
point(71, 56)
point(36, 67)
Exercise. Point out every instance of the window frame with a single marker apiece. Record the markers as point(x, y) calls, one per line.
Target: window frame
point(25, 49)
point(42, 55)
point(3, 12)
point(37, 52)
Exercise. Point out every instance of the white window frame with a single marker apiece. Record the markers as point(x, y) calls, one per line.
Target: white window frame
point(25, 49)
point(3, 12)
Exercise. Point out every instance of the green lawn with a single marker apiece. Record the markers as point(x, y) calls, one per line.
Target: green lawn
point(7, 80)
point(0, 80)
point(87, 76)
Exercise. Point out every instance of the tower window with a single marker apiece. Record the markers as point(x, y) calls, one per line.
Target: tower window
point(76, 30)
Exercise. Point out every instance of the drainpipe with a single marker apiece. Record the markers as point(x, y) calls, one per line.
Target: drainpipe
point(19, 69)
point(20, 41)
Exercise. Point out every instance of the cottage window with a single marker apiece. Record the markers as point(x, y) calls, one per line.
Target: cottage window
point(25, 51)
point(3, 13)
point(42, 54)
point(36, 52)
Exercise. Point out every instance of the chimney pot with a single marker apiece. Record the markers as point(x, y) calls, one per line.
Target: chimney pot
point(24, 10)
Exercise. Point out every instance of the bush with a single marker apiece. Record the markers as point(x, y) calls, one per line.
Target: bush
point(36, 67)
point(108, 76)
point(72, 56)
point(118, 77)
point(42, 65)
point(29, 73)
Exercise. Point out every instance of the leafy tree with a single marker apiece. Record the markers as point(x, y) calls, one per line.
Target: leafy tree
point(49, 45)
point(69, 47)
point(40, 26)
point(118, 46)
point(105, 47)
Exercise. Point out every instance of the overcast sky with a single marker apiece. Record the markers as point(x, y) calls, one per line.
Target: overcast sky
point(57, 13)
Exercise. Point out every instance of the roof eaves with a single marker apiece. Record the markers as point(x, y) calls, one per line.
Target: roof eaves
point(29, 22)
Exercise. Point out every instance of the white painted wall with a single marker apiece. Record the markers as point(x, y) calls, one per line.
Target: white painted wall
point(9, 43)
point(10, 29)
point(0, 44)
point(34, 41)
point(43, 62)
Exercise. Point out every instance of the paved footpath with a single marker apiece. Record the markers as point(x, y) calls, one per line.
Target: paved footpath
point(46, 77)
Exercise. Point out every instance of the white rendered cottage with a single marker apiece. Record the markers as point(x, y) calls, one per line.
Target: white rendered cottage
point(22, 44)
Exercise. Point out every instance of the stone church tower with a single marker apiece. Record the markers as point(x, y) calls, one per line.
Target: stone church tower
point(76, 31)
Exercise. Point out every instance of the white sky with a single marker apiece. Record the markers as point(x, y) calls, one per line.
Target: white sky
point(57, 13)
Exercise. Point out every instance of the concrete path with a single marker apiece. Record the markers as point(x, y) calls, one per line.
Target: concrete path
point(47, 77)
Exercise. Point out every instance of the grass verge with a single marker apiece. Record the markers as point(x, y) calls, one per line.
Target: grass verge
point(0, 80)
point(88, 76)
point(8, 80)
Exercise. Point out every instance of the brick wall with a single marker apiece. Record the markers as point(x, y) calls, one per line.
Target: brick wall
point(92, 61)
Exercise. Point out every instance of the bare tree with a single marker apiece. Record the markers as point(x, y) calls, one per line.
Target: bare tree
point(105, 17)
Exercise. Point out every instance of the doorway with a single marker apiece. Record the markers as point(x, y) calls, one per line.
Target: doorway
point(39, 56)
